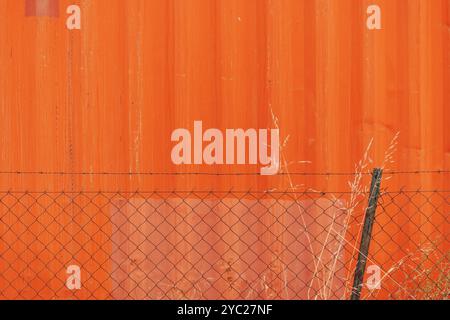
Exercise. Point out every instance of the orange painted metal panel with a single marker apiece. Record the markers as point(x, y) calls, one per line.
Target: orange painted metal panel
point(106, 98)
point(48, 8)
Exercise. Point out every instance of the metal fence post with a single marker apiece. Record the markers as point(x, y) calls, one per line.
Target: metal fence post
point(366, 233)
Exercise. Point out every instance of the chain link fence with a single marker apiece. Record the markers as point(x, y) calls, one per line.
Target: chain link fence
point(221, 245)
point(411, 244)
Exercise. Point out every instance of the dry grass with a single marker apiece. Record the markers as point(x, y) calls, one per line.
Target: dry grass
point(420, 275)
point(420, 283)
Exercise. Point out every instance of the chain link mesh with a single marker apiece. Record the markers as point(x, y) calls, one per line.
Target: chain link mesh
point(221, 245)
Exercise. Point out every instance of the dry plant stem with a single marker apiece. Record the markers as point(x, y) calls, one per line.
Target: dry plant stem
point(357, 193)
point(293, 188)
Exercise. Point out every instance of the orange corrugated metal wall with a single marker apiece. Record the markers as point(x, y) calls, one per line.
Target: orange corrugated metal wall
point(107, 97)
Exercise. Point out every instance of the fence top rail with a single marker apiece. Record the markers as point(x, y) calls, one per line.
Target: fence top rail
point(248, 192)
point(64, 173)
